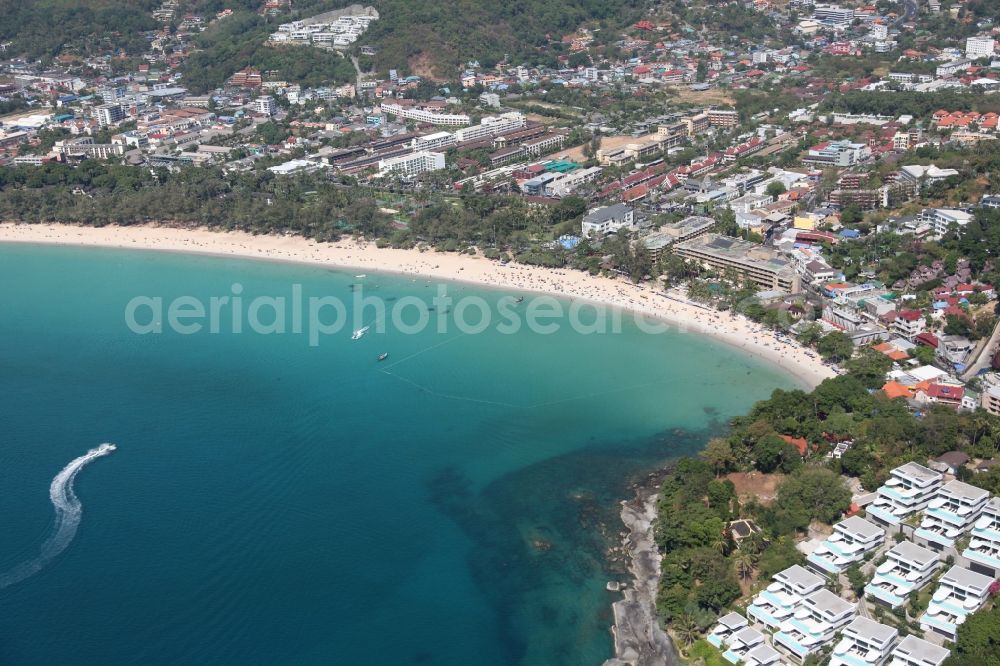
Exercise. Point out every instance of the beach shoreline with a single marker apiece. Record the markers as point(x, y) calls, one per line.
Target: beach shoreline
point(734, 330)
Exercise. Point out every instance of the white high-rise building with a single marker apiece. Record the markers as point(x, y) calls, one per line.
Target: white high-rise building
point(979, 47)
point(265, 105)
point(109, 114)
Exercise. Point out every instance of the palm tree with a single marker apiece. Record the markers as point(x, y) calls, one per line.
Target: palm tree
point(745, 564)
point(686, 630)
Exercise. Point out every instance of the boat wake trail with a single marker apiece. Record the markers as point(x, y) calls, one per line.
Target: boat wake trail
point(69, 511)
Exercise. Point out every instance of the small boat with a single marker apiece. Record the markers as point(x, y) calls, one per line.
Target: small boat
point(359, 333)
point(519, 299)
point(361, 277)
point(383, 356)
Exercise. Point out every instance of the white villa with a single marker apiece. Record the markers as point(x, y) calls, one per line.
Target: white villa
point(983, 552)
point(726, 627)
point(742, 643)
point(908, 490)
point(952, 512)
point(814, 624)
point(908, 568)
point(913, 651)
point(865, 643)
point(779, 600)
point(960, 593)
point(851, 539)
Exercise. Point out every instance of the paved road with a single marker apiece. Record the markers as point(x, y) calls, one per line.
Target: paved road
point(985, 354)
point(909, 11)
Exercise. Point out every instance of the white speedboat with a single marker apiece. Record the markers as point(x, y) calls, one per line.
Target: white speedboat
point(359, 333)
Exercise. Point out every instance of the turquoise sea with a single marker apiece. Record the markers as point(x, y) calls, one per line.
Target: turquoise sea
point(271, 502)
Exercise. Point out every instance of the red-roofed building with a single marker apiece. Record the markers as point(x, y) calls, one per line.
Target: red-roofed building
point(927, 339)
point(942, 394)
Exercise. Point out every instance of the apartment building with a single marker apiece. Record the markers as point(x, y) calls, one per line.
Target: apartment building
point(412, 164)
point(864, 642)
point(109, 114)
point(543, 144)
point(942, 219)
point(839, 154)
point(833, 16)
point(727, 626)
point(265, 105)
point(815, 624)
point(979, 47)
point(433, 141)
point(907, 490)
point(913, 651)
point(85, 147)
point(426, 115)
point(960, 593)
point(852, 538)
point(951, 512)
point(491, 126)
point(909, 324)
point(567, 183)
point(907, 569)
point(761, 265)
point(608, 219)
point(983, 552)
point(783, 596)
point(696, 124)
point(723, 118)
point(915, 177)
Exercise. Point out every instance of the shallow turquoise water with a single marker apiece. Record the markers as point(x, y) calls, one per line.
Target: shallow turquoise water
point(276, 503)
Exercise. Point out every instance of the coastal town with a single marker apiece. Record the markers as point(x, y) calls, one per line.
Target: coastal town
point(818, 184)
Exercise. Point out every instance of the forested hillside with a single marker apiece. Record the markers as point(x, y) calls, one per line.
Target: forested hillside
point(423, 37)
point(41, 28)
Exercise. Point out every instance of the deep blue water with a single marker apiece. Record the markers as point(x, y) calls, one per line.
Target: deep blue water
point(276, 503)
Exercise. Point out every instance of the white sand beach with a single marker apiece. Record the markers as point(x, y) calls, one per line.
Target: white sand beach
point(800, 362)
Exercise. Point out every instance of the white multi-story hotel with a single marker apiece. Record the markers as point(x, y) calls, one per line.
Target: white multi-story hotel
point(960, 593)
point(426, 115)
point(864, 643)
point(983, 552)
point(814, 625)
point(913, 651)
point(979, 47)
point(908, 490)
point(834, 16)
point(433, 141)
point(412, 164)
point(851, 539)
point(909, 567)
point(779, 600)
point(491, 126)
point(952, 512)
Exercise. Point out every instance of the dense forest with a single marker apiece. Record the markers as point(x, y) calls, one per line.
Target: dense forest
point(46, 28)
point(421, 37)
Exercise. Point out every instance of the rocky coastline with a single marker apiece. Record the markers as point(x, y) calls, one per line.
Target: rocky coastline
point(639, 640)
